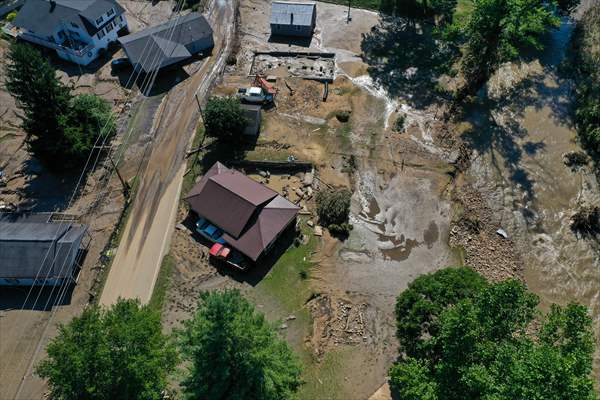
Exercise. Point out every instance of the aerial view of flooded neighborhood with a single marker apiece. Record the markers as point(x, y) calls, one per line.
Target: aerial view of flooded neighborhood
point(310, 200)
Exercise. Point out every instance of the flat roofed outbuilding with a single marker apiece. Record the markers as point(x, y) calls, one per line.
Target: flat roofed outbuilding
point(39, 250)
point(293, 18)
point(251, 215)
point(173, 41)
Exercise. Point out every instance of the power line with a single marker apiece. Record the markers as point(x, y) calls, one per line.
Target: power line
point(148, 80)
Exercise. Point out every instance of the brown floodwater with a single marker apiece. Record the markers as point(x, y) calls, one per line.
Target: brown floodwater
point(520, 135)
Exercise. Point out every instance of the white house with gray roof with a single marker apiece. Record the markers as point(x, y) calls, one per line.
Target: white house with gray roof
point(76, 29)
point(293, 19)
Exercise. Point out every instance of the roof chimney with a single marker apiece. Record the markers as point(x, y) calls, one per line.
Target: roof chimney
point(292, 21)
point(52, 5)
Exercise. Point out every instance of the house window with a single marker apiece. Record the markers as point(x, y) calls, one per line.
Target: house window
point(100, 34)
point(51, 39)
point(74, 25)
point(109, 27)
point(110, 12)
point(99, 21)
point(61, 35)
point(73, 33)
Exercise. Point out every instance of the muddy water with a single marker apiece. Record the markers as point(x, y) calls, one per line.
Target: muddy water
point(520, 138)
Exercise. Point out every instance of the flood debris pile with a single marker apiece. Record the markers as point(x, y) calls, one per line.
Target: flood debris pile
point(319, 66)
point(476, 231)
point(586, 221)
point(337, 322)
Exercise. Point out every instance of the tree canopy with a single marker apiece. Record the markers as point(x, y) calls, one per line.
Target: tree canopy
point(118, 353)
point(463, 338)
point(59, 126)
point(498, 31)
point(224, 118)
point(586, 65)
point(235, 354)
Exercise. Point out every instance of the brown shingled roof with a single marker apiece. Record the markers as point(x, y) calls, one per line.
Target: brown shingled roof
point(251, 214)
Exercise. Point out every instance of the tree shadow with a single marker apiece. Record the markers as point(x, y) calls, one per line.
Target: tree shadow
point(48, 187)
point(406, 60)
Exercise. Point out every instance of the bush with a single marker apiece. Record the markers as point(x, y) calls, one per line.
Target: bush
point(11, 16)
point(399, 124)
point(224, 118)
point(342, 116)
point(586, 221)
point(333, 209)
point(575, 159)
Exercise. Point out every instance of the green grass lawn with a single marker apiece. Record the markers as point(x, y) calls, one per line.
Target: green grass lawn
point(163, 281)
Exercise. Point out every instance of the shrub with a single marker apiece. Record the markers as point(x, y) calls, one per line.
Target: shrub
point(342, 116)
point(586, 220)
point(11, 16)
point(575, 159)
point(399, 124)
point(333, 209)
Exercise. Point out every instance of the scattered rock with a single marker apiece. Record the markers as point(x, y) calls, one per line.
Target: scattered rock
point(283, 326)
point(310, 223)
point(318, 230)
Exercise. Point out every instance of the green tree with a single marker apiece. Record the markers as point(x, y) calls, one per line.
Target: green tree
point(498, 31)
point(224, 118)
point(486, 347)
point(58, 125)
point(418, 308)
point(119, 353)
point(32, 81)
point(586, 65)
point(87, 117)
point(333, 209)
point(235, 354)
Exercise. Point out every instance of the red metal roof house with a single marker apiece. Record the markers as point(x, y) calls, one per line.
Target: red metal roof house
point(251, 215)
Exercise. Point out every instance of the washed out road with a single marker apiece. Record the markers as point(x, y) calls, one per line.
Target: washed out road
point(147, 232)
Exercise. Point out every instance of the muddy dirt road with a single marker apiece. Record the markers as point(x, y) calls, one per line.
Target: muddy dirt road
point(147, 232)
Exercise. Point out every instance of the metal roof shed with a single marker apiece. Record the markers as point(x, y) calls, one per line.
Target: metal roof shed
point(168, 43)
point(293, 19)
point(251, 215)
point(37, 252)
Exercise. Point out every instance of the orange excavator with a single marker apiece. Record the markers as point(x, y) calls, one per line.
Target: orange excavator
point(261, 82)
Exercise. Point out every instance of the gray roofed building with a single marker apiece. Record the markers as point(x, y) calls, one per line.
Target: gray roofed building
point(293, 19)
point(252, 215)
point(43, 16)
point(38, 252)
point(76, 29)
point(168, 43)
point(252, 112)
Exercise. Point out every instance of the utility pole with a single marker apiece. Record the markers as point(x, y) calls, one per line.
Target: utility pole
point(348, 19)
point(126, 188)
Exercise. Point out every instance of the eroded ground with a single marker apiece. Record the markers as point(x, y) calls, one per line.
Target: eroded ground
point(334, 300)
